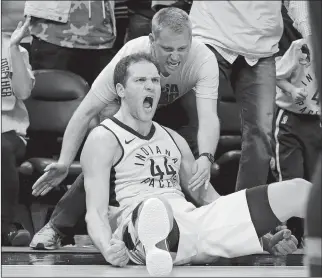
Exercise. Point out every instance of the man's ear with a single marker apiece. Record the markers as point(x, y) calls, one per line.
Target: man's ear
point(151, 38)
point(120, 90)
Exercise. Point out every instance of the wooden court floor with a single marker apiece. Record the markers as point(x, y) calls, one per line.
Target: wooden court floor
point(80, 262)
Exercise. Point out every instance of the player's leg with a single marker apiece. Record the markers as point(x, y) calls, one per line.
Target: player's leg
point(269, 205)
point(152, 236)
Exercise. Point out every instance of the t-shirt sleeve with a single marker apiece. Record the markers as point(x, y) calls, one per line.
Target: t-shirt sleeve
point(25, 57)
point(208, 78)
point(103, 86)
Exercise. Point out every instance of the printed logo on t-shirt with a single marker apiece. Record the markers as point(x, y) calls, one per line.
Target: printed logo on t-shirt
point(303, 104)
point(6, 89)
point(169, 93)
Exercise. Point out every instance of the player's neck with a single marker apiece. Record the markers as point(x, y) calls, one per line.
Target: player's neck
point(140, 127)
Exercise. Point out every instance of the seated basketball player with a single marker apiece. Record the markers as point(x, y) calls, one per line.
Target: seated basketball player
point(140, 171)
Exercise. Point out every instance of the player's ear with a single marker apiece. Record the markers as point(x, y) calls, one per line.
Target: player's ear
point(120, 90)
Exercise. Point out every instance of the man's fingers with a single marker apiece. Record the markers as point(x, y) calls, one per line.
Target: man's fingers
point(294, 239)
point(19, 25)
point(290, 244)
point(199, 181)
point(40, 182)
point(46, 190)
point(287, 234)
point(117, 248)
point(280, 250)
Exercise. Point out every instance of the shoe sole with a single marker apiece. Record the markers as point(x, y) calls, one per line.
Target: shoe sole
point(153, 227)
point(21, 239)
point(41, 246)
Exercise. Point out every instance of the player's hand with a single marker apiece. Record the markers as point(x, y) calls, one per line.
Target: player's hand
point(21, 31)
point(54, 174)
point(299, 94)
point(282, 243)
point(201, 173)
point(117, 254)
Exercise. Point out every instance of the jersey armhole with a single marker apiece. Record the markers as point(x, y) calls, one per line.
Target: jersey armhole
point(117, 141)
point(172, 139)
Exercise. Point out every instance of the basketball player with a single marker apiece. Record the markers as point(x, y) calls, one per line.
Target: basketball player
point(142, 170)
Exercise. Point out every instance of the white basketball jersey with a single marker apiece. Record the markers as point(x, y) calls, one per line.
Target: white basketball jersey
point(149, 165)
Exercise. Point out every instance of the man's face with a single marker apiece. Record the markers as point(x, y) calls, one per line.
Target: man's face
point(171, 49)
point(142, 90)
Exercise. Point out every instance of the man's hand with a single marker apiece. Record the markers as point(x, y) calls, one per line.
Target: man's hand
point(201, 173)
point(117, 254)
point(282, 243)
point(299, 94)
point(21, 31)
point(54, 174)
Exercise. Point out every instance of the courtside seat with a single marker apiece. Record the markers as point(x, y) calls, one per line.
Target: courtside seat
point(54, 98)
point(53, 101)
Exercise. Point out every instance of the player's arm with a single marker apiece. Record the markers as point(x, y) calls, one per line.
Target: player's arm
point(100, 153)
point(200, 196)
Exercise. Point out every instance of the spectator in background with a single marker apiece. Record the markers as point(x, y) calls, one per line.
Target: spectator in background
point(297, 131)
point(142, 11)
point(140, 17)
point(11, 14)
point(77, 36)
point(244, 37)
point(181, 4)
point(16, 84)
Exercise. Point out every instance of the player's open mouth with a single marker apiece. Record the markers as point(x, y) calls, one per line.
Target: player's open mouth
point(148, 103)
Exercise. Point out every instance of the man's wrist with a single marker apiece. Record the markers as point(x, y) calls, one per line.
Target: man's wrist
point(207, 156)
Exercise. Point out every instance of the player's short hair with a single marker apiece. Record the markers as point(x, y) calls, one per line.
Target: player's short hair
point(174, 18)
point(121, 68)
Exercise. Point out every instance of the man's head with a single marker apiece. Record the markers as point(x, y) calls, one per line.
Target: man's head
point(171, 38)
point(137, 83)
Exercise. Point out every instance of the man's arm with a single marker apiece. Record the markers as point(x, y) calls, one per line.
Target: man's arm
point(100, 153)
point(209, 126)
point(206, 89)
point(200, 196)
point(22, 77)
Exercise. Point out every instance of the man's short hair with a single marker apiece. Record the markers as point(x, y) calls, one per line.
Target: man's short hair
point(121, 68)
point(174, 18)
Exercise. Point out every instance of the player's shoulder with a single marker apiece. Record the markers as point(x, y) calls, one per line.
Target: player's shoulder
point(173, 134)
point(100, 136)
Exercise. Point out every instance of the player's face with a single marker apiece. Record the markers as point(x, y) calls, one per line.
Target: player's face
point(142, 90)
point(171, 49)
